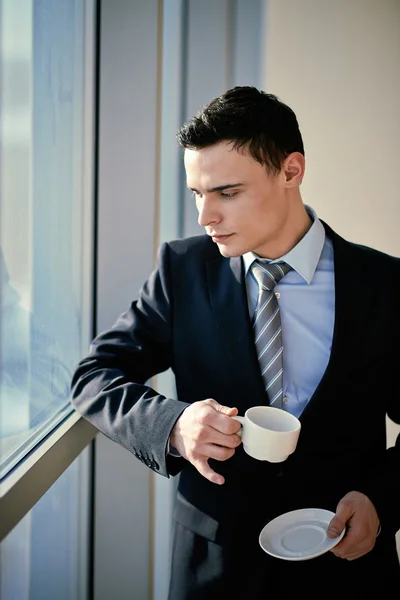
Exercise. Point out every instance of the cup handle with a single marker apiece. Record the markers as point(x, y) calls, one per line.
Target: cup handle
point(241, 421)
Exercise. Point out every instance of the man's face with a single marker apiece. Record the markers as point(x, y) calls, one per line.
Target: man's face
point(240, 205)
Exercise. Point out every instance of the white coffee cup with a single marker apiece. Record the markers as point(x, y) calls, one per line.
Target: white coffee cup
point(269, 433)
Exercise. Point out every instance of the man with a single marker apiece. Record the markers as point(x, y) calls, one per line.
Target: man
point(334, 330)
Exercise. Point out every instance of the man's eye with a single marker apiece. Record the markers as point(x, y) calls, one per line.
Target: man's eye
point(228, 194)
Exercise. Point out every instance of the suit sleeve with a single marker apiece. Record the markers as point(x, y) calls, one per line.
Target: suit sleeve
point(383, 485)
point(109, 385)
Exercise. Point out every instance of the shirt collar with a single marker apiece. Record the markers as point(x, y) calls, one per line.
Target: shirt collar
point(304, 256)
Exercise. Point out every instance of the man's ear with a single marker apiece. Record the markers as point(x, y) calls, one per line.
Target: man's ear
point(293, 168)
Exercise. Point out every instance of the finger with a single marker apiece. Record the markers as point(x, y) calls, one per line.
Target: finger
point(355, 556)
point(351, 556)
point(204, 469)
point(217, 452)
point(352, 546)
point(230, 411)
point(226, 441)
point(220, 417)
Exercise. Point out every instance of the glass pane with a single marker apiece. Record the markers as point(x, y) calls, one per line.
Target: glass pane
point(45, 557)
point(46, 62)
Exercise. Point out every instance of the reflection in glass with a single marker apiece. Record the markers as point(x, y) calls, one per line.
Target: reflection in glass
point(45, 200)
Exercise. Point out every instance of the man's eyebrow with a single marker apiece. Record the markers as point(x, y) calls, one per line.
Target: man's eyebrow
point(220, 188)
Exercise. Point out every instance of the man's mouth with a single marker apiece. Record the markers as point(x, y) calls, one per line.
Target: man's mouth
point(219, 238)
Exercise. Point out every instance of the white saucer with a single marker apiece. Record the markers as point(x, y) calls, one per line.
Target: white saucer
point(299, 535)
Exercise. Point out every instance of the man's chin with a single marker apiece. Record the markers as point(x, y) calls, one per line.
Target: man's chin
point(228, 252)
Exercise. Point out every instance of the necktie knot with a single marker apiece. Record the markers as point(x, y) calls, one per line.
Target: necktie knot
point(269, 274)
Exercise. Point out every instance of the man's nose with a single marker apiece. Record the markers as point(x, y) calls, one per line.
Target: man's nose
point(207, 213)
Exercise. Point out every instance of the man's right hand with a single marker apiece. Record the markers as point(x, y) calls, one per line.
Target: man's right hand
point(205, 430)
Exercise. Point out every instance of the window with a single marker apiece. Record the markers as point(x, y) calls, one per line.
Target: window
point(46, 141)
point(45, 557)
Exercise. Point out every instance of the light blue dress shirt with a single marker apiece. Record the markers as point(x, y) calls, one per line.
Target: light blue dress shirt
point(306, 297)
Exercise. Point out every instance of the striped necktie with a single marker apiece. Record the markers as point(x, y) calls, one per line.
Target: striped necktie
point(268, 330)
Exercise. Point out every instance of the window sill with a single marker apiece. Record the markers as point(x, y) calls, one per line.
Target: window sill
point(26, 484)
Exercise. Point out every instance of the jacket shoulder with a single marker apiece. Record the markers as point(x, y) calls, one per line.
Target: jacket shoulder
point(199, 246)
point(364, 255)
point(372, 258)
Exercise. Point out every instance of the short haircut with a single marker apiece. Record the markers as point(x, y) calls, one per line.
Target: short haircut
point(252, 120)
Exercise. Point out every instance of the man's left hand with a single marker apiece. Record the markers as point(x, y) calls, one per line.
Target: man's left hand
point(357, 513)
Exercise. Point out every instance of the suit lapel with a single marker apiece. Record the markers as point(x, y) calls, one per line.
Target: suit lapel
point(350, 308)
point(229, 305)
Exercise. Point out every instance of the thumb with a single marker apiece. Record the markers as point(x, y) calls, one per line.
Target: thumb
point(204, 469)
point(225, 410)
point(338, 522)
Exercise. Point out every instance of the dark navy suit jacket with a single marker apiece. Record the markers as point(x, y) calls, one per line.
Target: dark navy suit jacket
point(192, 316)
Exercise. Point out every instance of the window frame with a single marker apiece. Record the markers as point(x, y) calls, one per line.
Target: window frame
point(37, 471)
point(30, 480)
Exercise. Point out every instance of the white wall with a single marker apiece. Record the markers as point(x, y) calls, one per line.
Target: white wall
point(337, 64)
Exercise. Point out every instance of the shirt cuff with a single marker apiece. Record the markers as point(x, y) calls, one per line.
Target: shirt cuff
point(171, 450)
